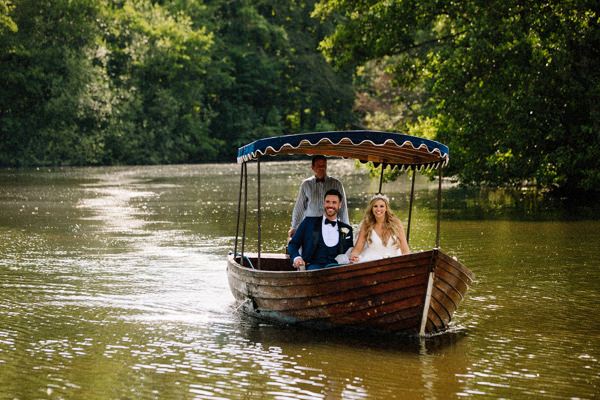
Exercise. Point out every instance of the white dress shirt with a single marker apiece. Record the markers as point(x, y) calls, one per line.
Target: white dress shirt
point(331, 235)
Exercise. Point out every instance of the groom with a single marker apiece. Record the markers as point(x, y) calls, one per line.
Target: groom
point(321, 239)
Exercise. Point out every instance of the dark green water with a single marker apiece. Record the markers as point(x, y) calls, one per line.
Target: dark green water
point(113, 285)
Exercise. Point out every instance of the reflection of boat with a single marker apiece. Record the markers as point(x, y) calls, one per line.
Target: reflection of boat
point(415, 293)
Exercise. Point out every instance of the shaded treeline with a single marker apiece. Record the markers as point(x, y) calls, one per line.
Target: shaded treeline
point(513, 88)
point(87, 82)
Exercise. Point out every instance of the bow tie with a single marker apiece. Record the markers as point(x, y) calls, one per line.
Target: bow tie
point(320, 179)
point(332, 223)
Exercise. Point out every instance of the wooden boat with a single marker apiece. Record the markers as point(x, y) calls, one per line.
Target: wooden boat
point(415, 293)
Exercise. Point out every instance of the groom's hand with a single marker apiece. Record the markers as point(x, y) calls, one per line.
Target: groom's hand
point(298, 262)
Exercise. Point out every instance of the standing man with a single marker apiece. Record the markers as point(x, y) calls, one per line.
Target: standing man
point(310, 196)
point(322, 239)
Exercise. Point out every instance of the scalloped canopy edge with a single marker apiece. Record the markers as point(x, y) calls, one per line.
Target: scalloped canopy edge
point(389, 148)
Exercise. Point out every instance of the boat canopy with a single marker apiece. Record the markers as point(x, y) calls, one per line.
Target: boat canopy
point(394, 149)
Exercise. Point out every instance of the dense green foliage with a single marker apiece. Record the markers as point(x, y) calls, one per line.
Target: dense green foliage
point(86, 82)
point(512, 87)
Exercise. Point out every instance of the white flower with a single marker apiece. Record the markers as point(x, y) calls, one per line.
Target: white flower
point(345, 230)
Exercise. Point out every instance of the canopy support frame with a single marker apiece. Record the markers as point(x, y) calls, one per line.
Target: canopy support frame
point(410, 204)
point(383, 167)
point(239, 209)
point(439, 208)
point(258, 216)
point(245, 212)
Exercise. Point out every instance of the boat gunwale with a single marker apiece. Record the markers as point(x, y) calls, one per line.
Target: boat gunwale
point(326, 272)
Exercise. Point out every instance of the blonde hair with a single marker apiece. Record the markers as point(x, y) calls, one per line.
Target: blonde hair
point(392, 226)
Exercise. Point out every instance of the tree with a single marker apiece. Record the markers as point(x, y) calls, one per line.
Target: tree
point(94, 82)
point(158, 62)
point(49, 98)
point(143, 81)
point(511, 87)
point(268, 76)
point(319, 97)
point(6, 22)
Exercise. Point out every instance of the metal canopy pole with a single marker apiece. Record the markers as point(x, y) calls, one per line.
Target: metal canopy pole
point(245, 211)
point(258, 211)
point(410, 205)
point(237, 227)
point(439, 214)
point(381, 177)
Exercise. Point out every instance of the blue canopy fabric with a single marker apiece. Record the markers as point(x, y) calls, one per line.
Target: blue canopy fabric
point(390, 148)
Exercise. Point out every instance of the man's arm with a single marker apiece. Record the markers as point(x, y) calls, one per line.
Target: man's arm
point(295, 243)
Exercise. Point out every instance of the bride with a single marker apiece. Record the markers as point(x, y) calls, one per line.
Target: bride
point(381, 233)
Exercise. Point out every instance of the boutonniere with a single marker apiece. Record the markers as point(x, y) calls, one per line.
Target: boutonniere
point(345, 230)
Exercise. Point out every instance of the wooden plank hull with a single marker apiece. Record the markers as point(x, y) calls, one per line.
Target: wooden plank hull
point(387, 295)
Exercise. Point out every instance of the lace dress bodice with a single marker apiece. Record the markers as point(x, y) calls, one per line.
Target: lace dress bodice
point(377, 250)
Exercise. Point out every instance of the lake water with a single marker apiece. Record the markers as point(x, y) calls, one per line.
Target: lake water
point(113, 285)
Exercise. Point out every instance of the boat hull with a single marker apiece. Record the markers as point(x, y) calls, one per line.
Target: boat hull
point(415, 294)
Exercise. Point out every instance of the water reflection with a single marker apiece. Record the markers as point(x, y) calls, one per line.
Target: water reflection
point(350, 364)
point(113, 285)
point(527, 204)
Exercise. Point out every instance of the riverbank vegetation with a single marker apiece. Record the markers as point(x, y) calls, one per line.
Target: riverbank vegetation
point(512, 88)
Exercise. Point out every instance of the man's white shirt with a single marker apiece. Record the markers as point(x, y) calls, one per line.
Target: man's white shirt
point(331, 235)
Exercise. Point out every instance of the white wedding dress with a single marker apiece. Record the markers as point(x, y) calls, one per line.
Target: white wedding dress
point(377, 250)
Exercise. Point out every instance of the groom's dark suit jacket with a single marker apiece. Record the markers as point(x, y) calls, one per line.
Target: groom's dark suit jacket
point(308, 235)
